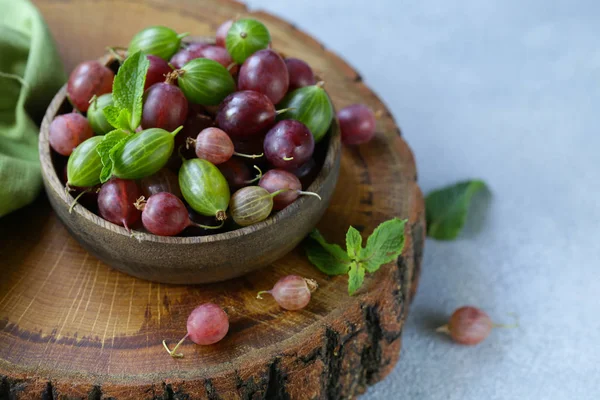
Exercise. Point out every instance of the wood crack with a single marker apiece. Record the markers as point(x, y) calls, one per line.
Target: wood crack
point(211, 393)
point(48, 394)
point(333, 363)
point(370, 359)
point(276, 382)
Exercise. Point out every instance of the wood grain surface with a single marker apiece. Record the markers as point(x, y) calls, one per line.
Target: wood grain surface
point(70, 327)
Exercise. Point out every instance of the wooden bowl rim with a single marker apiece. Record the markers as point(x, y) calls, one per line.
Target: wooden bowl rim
point(48, 170)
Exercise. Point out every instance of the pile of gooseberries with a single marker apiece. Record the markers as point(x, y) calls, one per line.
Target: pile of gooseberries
point(230, 129)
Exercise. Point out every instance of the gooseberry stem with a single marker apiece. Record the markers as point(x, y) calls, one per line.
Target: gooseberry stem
point(279, 192)
point(209, 227)
point(93, 100)
point(172, 76)
point(508, 326)
point(378, 114)
point(181, 155)
point(443, 329)
point(311, 283)
point(131, 234)
point(230, 66)
point(284, 110)
point(446, 329)
point(76, 199)
point(182, 35)
point(248, 155)
point(258, 295)
point(243, 35)
point(320, 84)
point(172, 352)
point(136, 237)
point(176, 131)
point(309, 194)
point(288, 158)
point(505, 326)
point(113, 52)
point(140, 203)
point(221, 215)
point(260, 174)
point(190, 141)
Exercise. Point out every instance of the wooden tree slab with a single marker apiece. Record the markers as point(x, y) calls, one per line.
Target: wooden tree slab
point(71, 327)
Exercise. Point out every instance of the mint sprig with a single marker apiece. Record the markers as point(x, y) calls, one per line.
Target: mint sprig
point(128, 92)
point(383, 246)
point(126, 112)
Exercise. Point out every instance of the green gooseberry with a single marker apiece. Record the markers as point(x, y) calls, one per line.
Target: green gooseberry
point(84, 165)
point(246, 37)
point(204, 81)
point(251, 204)
point(96, 116)
point(144, 154)
point(160, 41)
point(204, 188)
point(311, 106)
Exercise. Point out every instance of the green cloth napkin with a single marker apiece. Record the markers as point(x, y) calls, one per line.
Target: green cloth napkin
point(31, 73)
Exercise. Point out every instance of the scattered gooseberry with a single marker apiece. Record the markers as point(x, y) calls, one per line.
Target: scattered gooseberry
point(357, 124)
point(292, 292)
point(207, 324)
point(469, 325)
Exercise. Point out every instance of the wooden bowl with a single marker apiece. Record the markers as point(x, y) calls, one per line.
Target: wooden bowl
point(190, 260)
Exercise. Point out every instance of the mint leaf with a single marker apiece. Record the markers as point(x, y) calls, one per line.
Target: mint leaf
point(336, 251)
point(112, 116)
point(384, 245)
point(128, 92)
point(114, 151)
point(446, 209)
point(106, 172)
point(117, 117)
point(356, 277)
point(110, 140)
point(353, 242)
point(324, 260)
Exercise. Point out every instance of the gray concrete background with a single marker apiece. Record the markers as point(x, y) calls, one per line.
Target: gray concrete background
point(507, 91)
